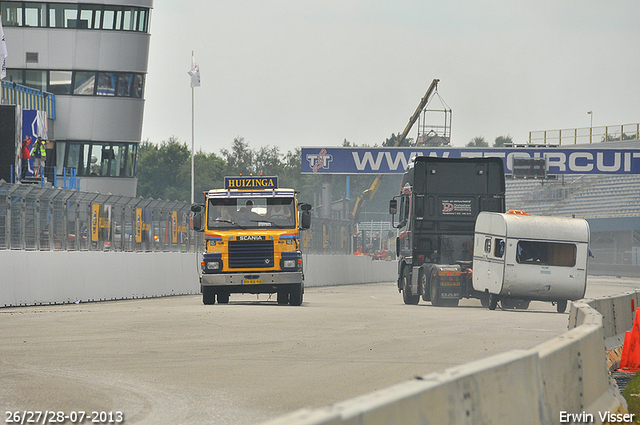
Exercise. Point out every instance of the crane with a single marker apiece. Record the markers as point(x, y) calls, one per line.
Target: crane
point(367, 195)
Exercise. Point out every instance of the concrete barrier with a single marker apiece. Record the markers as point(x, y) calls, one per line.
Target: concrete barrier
point(58, 277)
point(546, 385)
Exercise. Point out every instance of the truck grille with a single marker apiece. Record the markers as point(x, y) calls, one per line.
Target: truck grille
point(250, 254)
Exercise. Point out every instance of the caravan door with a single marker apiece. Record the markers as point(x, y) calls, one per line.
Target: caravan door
point(488, 263)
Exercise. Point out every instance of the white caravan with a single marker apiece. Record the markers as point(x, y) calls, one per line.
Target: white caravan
point(519, 257)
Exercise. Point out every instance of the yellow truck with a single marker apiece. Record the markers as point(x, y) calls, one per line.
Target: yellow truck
point(251, 240)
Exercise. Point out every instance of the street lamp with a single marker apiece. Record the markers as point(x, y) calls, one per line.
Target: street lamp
point(591, 114)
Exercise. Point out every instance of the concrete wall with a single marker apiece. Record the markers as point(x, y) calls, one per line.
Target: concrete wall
point(566, 374)
point(56, 277)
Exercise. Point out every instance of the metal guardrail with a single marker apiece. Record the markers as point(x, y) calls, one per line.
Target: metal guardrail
point(609, 133)
point(46, 219)
point(38, 218)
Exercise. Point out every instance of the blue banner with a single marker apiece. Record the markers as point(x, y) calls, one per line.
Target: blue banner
point(577, 160)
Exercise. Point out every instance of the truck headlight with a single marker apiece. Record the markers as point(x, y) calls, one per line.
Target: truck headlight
point(289, 264)
point(213, 265)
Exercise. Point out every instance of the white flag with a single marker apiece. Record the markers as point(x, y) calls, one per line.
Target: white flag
point(195, 73)
point(3, 53)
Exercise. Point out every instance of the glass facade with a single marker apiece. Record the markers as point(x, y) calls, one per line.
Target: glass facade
point(81, 83)
point(73, 15)
point(96, 159)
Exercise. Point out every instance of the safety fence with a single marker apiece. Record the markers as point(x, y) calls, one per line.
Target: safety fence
point(38, 218)
point(46, 219)
point(609, 133)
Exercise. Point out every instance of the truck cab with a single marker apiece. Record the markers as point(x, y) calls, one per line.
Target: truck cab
point(437, 207)
point(252, 240)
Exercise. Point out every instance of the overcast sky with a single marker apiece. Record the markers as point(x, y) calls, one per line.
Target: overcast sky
point(293, 73)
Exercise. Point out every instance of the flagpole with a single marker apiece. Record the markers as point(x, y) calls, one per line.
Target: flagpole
point(192, 139)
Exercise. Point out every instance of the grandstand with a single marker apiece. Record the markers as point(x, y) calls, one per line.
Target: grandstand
point(610, 203)
point(585, 196)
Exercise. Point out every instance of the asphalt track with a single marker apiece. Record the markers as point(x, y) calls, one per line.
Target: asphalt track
point(176, 361)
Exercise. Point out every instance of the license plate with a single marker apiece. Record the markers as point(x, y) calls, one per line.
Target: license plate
point(251, 281)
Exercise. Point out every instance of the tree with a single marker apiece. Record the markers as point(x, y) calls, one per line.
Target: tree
point(502, 140)
point(240, 158)
point(159, 169)
point(477, 142)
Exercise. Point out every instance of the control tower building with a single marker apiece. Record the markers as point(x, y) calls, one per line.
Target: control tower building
point(93, 56)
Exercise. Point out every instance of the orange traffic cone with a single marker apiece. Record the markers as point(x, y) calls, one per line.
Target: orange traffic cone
point(630, 360)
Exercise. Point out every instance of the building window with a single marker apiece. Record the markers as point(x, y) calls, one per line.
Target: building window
point(92, 15)
point(36, 79)
point(84, 83)
point(112, 18)
point(63, 15)
point(97, 159)
point(35, 14)
point(106, 84)
point(11, 13)
point(81, 83)
point(71, 15)
point(60, 82)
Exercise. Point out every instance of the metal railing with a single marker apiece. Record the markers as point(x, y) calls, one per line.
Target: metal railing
point(47, 219)
point(574, 136)
point(327, 236)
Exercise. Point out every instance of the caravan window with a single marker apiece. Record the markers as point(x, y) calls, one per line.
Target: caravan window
point(546, 253)
point(498, 248)
point(487, 245)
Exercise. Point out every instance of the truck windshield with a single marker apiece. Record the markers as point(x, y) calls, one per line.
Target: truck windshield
point(244, 213)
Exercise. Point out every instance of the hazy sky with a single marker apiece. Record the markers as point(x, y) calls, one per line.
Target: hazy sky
point(293, 73)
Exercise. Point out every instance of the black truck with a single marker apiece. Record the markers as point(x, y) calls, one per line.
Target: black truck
point(439, 201)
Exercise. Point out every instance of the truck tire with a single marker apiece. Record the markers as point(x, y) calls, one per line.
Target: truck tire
point(295, 296)
point(407, 297)
point(223, 297)
point(208, 295)
point(484, 301)
point(283, 297)
point(424, 285)
point(561, 306)
point(493, 301)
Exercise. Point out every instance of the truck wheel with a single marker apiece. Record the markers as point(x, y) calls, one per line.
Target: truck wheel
point(208, 295)
point(433, 290)
point(522, 304)
point(493, 301)
point(484, 301)
point(406, 288)
point(424, 286)
point(283, 297)
point(295, 297)
point(223, 298)
point(561, 306)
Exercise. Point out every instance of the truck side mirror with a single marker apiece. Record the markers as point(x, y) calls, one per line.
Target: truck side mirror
point(305, 220)
point(393, 206)
point(197, 222)
point(393, 209)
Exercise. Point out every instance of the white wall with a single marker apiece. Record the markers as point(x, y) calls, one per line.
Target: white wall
point(48, 277)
